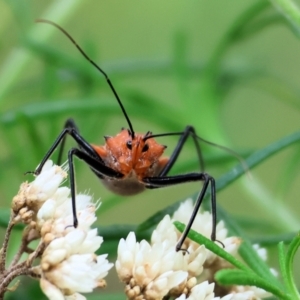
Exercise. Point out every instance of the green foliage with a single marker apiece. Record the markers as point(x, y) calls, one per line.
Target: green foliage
point(258, 273)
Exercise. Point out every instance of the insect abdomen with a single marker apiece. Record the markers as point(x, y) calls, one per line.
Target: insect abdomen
point(126, 186)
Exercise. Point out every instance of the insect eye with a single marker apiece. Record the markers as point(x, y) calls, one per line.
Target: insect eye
point(129, 145)
point(145, 148)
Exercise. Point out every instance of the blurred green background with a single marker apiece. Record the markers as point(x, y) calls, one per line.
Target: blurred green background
point(229, 68)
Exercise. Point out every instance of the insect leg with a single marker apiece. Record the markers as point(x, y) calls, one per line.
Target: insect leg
point(73, 132)
point(157, 182)
point(188, 131)
point(69, 124)
point(95, 164)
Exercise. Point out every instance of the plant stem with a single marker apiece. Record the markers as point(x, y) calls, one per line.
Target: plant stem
point(8, 279)
point(5, 244)
point(19, 253)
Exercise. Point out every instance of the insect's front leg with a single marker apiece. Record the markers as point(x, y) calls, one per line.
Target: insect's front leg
point(70, 123)
point(93, 163)
point(72, 130)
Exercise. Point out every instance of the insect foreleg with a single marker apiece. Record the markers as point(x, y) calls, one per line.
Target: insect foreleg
point(73, 132)
point(95, 164)
point(69, 124)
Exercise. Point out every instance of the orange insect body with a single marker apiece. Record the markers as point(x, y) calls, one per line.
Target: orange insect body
point(136, 158)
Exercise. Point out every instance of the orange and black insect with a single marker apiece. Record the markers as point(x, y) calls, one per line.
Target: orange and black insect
point(130, 162)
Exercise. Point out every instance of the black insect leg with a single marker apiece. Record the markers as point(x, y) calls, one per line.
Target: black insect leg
point(196, 209)
point(82, 143)
point(95, 164)
point(69, 124)
point(157, 182)
point(86, 153)
point(188, 131)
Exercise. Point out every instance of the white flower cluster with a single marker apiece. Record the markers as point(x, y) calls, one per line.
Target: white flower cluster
point(153, 271)
point(68, 263)
point(32, 196)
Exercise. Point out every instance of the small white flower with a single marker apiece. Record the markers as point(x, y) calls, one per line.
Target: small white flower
point(167, 235)
point(31, 196)
point(46, 184)
point(69, 264)
point(247, 295)
point(252, 292)
point(55, 218)
point(202, 291)
point(154, 270)
point(51, 291)
point(146, 269)
point(164, 232)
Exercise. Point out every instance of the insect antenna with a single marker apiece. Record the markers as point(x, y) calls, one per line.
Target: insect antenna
point(96, 66)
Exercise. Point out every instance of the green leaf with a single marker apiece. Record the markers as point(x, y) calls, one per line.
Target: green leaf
point(59, 107)
point(289, 258)
point(282, 259)
point(239, 277)
point(254, 225)
point(272, 240)
point(115, 232)
point(289, 172)
point(244, 276)
point(249, 255)
point(210, 245)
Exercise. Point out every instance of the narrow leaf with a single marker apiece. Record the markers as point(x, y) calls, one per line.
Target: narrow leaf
point(247, 252)
point(289, 258)
point(238, 277)
point(272, 240)
point(282, 259)
point(202, 240)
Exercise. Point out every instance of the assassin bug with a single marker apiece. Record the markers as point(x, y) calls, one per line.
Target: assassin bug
point(131, 162)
